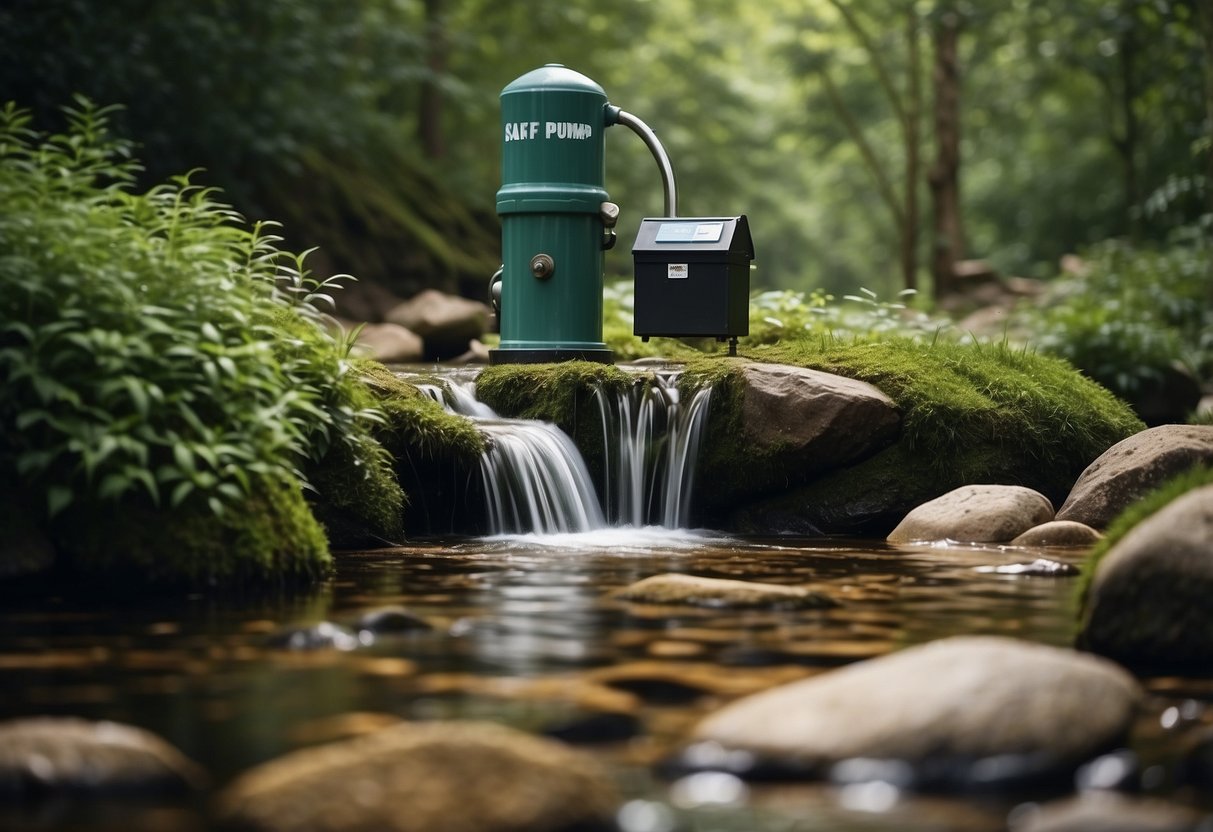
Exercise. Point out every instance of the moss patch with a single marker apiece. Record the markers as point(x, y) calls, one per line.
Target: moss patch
point(268, 539)
point(434, 452)
point(1150, 503)
point(970, 413)
point(562, 394)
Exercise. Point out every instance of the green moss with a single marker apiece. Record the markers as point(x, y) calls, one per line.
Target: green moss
point(1150, 503)
point(433, 451)
point(270, 538)
point(970, 413)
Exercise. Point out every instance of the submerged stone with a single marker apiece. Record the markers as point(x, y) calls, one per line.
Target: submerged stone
point(46, 756)
point(1107, 812)
point(968, 711)
point(1148, 601)
point(692, 590)
point(1130, 468)
point(322, 636)
point(976, 514)
point(421, 777)
point(1059, 533)
point(390, 621)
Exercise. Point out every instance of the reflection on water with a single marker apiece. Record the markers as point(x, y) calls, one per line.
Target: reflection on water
point(526, 632)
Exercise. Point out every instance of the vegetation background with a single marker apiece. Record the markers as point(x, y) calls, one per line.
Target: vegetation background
point(370, 128)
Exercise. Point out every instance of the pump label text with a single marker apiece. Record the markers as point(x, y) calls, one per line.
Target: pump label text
point(516, 131)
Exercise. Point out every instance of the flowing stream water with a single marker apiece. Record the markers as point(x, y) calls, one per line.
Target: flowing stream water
point(524, 630)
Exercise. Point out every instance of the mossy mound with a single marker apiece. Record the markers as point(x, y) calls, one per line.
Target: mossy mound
point(269, 539)
point(970, 414)
point(434, 451)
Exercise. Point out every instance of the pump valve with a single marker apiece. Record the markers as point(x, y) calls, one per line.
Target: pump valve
point(609, 213)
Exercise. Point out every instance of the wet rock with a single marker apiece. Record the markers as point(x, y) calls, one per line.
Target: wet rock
point(46, 756)
point(391, 621)
point(976, 514)
point(450, 776)
point(1106, 812)
point(445, 322)
point(476, 353)
point(322, 636)
point(1059, 533)
point(962, 711)
point(814, 419)
point(674, 588)
point(1119, 771)
point(390, 344)
point(1149, 598)
point(1132, 467)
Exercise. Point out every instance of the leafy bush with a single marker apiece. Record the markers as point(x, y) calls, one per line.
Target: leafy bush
point(154, 352)
point(1131, 313)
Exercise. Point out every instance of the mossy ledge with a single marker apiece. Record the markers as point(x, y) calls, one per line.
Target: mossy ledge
point(559, 393)
point(970, 413)
point(434, 452)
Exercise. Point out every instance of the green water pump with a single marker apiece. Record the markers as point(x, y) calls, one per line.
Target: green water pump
point(556, 216)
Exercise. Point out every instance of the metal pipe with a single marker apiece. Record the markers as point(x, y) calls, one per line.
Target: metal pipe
point(663, 160)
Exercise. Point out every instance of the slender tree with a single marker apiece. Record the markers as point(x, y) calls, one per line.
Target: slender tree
point(948, 238)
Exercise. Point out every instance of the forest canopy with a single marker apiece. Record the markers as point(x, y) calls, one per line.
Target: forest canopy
point(840, 128)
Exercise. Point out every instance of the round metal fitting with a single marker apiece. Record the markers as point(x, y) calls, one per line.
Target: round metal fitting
point(542, 266)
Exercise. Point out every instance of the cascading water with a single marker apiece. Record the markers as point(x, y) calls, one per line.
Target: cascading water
point(534, 479)
point(652, 443)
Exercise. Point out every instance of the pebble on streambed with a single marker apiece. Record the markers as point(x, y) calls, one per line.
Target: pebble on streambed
point(967, 712)
point(677, 589)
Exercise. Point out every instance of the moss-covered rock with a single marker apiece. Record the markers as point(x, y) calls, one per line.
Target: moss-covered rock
point(434, 452)
point(970, 413)
point(270, 538)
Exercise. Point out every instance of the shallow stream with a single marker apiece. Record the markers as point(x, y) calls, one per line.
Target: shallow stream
point(525, 632)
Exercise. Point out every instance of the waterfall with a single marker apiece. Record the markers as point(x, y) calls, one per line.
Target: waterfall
point(652, 443)
point(534, 478)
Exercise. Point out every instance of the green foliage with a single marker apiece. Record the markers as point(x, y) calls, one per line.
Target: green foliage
point(1132, 312)
point(1137, 512)
point(153, 350)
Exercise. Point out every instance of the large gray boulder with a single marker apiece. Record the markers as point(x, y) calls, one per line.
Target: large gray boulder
point(421, 777)
point(949, 704)
point(1132, 467)
point(787, 424)
point(976, 514)
point(445, 322)
point(389, 344)
point(46, 755)
point(814, 418)
point(1148, 602)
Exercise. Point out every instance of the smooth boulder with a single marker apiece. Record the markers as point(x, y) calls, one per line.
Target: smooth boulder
point(976, 514)
point(389, 344)
point(1059, 533)
point(692, 590)
point(43, 756)
point(1148, 602)
point(445, 322)
point(421, 777)
point(949, 705)
point(1131, 468)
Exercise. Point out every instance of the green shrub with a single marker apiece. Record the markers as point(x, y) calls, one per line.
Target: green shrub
point(1131, 313)
point(154, 351)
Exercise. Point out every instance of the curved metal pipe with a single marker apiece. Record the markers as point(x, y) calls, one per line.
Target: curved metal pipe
point(663, 160)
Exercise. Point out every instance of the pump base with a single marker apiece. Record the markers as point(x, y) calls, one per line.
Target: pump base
point(552, 356)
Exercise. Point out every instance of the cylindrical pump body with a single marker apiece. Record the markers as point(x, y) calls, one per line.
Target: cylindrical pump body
point(551, 209)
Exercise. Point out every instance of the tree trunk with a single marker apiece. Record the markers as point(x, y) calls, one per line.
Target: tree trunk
point(948, 245)
point(1205, 13)
point(429, 113)
point(913, 117)
point(1128, 113)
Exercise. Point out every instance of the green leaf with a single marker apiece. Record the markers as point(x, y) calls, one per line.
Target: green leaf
point(58, 498)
